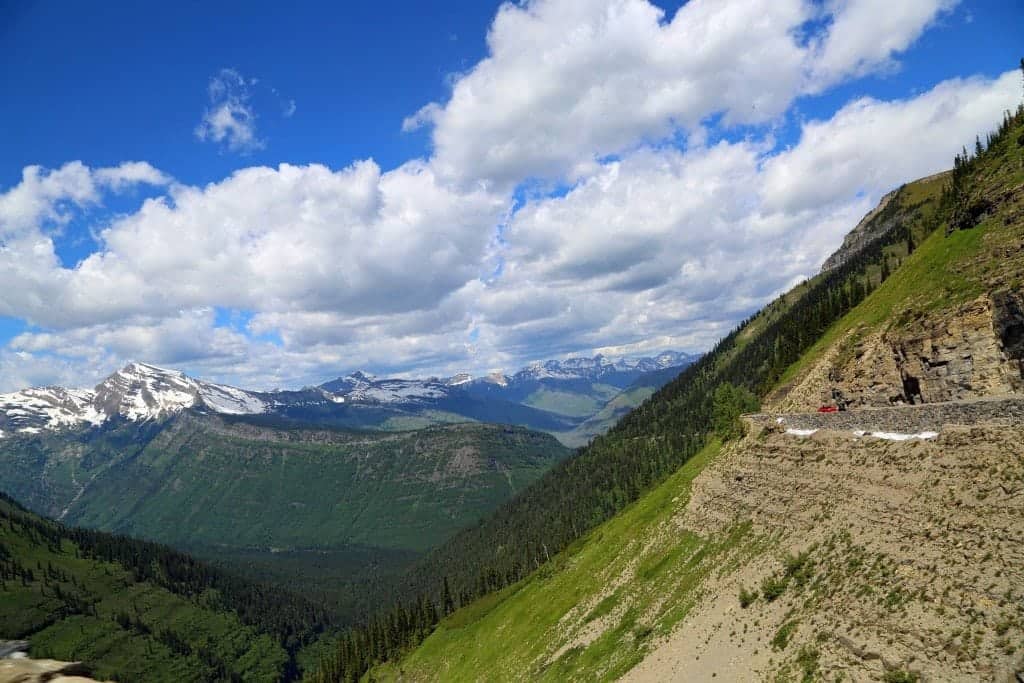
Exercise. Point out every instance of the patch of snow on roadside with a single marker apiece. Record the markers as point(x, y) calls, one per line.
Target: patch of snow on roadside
point(897, 436)
point(800, 432)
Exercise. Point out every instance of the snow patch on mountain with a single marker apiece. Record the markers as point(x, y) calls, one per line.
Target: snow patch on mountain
point(397, 391)
point(229, 400)
point(49, 407)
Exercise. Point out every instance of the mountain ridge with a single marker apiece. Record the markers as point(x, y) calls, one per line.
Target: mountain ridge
point(142, 391)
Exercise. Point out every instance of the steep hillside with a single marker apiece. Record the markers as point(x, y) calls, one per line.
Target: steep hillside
point(911, 542)
point(654, 439)
point(135, 611)
point(858, 555)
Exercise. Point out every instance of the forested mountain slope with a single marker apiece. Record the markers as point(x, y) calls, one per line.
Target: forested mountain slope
point(244, 492)
point(136, 611)
point(948, 245)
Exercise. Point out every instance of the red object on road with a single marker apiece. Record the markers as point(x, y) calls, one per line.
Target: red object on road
point(828, 409)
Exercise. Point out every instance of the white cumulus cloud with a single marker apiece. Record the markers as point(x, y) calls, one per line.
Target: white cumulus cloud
point(230, 120)
point(566, 83)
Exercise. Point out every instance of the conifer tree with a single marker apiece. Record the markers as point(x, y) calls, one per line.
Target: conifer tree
point(449, 604)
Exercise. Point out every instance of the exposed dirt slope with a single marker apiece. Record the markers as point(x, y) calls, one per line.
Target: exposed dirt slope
point(913, 564)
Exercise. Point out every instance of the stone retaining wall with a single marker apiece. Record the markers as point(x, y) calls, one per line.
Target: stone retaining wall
point(906, 419)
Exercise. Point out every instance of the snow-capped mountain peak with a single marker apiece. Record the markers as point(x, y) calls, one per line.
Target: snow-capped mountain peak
point(361, 387)
point(596, 366)
point(496, 378)
point(138, 391)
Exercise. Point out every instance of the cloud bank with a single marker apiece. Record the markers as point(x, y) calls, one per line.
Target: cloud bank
point(583, 192)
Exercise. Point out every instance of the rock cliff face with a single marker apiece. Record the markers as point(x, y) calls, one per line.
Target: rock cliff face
point(973, 351)
point(873, 224)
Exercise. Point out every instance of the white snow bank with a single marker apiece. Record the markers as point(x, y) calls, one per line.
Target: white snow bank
point(897, 436)
point(800, 432)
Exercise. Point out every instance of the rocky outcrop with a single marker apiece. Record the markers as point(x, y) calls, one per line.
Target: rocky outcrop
point(890, 213)
point(978, 351)
point(872, 225)
point(973, 351)
point(24, 670)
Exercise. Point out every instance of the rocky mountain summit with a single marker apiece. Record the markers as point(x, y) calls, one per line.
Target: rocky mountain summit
point(886, 216)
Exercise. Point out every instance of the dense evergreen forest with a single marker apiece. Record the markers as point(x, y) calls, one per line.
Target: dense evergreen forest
point(61, 573)
point(656, 438)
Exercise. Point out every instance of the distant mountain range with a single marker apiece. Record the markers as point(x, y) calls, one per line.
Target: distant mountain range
point(553, 396)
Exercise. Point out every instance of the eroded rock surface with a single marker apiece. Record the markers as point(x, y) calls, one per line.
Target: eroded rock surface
point(973, 351)
point(904, 558)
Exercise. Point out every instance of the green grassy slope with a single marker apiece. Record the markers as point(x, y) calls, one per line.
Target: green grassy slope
point(204, 482)
point(74, 601)
point(536, 627)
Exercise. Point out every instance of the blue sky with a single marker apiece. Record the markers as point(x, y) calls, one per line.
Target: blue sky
point(498, 227)
point(104, 82)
